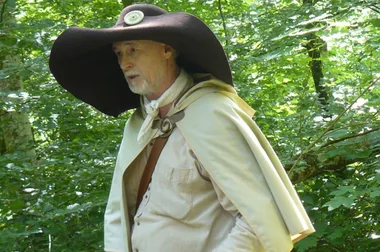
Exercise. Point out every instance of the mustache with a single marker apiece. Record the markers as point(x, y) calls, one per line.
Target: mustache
point(128, 74)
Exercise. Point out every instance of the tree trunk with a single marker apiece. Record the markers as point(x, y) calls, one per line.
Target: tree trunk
point(15, 128)
point(315, 47)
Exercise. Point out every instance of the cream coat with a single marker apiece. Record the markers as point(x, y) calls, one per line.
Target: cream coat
point(219, 129)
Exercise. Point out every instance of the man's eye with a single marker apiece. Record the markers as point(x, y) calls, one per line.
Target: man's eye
point(118, 54)
point(132, 50)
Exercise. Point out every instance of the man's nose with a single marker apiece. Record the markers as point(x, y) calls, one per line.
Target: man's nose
point(125, 64)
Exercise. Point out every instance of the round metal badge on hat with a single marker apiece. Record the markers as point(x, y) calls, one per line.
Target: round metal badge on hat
point(133, 17)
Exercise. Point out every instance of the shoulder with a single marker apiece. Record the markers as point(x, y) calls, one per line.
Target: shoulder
point(208, 113)
point(210, 103)
point(134, 122)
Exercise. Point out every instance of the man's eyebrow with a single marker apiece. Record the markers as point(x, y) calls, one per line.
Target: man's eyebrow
point(124, 43)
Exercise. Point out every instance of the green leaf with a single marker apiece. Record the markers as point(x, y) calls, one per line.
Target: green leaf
point(16, 205)
point(337, 133)
point(339, 201)
point(45, 23)
point(9, 41)
point(343, 190)
point(11, 4)
point(307, 243)
point(374, 194)
point(3, 74)
point(25, 73)
point(359, 154)
point(333, 153)
point(374, 101)
point(337, 234)
point(377, 178)
point(375, 22)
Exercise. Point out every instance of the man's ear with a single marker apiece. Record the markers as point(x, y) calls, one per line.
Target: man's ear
point(168, 51)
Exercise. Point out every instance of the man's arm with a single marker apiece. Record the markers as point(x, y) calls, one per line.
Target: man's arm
point(241, 238)
point(112, 216)
point(229, 145)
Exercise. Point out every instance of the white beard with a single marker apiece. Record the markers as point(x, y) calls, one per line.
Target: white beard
point(142, 89)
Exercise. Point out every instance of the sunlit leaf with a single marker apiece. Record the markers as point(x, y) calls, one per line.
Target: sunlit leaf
point(375, 22)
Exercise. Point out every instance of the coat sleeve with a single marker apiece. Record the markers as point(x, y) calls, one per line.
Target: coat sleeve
point(116, 218)
point(222, 138)
point(112, 216)
point(113, 240)
point(241, 237)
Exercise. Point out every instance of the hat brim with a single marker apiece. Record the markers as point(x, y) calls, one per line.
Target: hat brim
point(83, 62)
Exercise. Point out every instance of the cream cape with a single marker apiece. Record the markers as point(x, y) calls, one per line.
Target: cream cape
point(219, 129)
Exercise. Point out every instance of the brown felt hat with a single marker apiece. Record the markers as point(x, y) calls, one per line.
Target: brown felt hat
point(83, 62)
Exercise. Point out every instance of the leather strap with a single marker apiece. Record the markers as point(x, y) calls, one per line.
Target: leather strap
point(166, 126)
point(149, 168)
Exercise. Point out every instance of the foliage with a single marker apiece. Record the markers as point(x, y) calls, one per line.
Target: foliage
point(57, 202)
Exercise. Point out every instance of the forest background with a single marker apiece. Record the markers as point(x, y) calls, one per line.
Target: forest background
point(309, 68)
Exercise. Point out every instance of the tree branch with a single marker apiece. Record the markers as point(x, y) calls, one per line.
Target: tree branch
point(348, 137)
point(374, 8)
point(291, 170)
point(224, 26)
point(4, 2)
point(314, 168)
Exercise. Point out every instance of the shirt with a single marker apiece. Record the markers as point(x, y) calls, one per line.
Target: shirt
point(183, 209)
point(218, 128)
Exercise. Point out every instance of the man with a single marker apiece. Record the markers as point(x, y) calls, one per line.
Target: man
point(194, 172)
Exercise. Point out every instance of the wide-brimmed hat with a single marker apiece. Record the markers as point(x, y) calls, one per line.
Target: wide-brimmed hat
point(83, 62)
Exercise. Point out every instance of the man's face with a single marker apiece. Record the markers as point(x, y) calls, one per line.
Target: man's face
point(145, 65)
